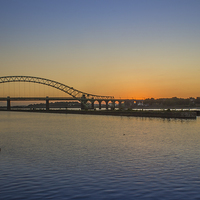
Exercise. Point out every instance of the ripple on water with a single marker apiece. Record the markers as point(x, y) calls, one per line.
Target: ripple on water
point(53, 156)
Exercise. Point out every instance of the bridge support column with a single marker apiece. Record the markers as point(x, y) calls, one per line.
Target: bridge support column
point(47, 103)
point(113, 105)
point(120, 104)
point(99, 105)
point(83, 102)
point(92, 105)
point(106, 105)
point(128, 104)
point(8, 103)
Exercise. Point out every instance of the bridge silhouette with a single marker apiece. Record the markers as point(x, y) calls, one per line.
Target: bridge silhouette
point(75, 94)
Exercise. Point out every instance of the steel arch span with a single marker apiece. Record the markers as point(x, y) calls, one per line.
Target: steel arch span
point(77, 94)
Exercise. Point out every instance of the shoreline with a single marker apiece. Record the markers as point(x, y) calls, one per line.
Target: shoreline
point(157, 114)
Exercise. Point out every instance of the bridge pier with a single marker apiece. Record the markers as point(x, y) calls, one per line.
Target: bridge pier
point(113, 105)
point(83, 102)
point(47, 103)
point(99, 105)
point(8, 103)
point(106, 105)
point(92, 105)
point(120, 104)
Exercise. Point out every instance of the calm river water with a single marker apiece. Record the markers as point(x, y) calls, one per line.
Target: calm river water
point(65, 156)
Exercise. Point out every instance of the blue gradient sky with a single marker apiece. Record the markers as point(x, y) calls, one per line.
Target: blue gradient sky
point(127, 48)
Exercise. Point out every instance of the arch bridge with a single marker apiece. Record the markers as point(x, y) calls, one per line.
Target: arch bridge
point(75, 94)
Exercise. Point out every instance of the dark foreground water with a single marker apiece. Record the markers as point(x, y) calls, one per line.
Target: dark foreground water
point(58, 156)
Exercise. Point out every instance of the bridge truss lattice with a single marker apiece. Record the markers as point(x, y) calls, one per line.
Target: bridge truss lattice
point(77, 94)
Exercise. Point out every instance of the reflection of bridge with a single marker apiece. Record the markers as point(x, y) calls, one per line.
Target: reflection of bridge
point(78, 95)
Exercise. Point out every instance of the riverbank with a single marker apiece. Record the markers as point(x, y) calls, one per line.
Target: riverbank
point(142, 113)
point(161, 114)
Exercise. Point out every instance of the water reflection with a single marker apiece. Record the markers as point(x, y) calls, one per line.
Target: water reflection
point(81, 156)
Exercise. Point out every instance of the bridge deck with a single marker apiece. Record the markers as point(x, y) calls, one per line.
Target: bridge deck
point(59, 99)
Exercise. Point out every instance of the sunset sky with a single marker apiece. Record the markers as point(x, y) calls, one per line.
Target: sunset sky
point(123, 48)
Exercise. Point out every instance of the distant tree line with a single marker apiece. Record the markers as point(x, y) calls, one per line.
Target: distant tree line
point(174, 101)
